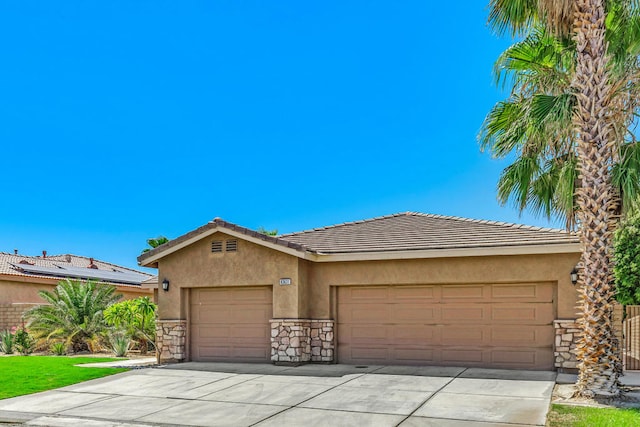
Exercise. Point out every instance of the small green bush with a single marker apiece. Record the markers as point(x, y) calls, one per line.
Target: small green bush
point(58, 348)
point(23, 342)
point(137, 318)
point(6, 342)
point(120, 343)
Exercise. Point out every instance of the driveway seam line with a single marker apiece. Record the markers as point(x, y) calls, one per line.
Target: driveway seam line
point(432, 396)
point(186, 400)
point(306, 400)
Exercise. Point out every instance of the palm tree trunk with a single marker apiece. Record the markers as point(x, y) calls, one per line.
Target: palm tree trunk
point(598, 351)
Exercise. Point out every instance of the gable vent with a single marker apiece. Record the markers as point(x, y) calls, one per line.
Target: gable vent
point(231, 246)
point(216, 246)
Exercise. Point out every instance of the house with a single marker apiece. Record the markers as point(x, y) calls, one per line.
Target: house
point(22, 277)
point(409, 288)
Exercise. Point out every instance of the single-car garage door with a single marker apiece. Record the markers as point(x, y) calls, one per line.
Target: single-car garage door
point(485, 325)
point(230, 324)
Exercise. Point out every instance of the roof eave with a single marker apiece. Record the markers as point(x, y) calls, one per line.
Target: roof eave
point(539, 249)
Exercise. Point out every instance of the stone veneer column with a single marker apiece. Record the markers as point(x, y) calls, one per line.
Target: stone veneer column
point(565, 344)
point(322, 346)
point(171, 338)
point(301, 340)
point(567, 334)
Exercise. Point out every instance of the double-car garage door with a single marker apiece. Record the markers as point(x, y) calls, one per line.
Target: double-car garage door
point(488, 325)
point(230, 324)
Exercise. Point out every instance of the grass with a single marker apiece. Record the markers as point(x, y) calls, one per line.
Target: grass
point(580, 416)
point(31, 374)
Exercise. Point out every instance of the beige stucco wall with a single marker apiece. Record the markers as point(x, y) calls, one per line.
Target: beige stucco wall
point(309, 294)
point(494, 269)
point(252, 265)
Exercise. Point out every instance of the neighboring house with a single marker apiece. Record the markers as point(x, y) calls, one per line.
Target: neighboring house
point(22, 277)
point(409, 288)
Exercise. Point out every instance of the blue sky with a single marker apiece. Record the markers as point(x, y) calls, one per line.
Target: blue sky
point(124, 120)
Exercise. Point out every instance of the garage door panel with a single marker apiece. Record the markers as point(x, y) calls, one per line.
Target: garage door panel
point(365, 313)
point(457, 293)
point(464, 313)
point(402, 293)
point(414, 313)
point(453, 335)
point(365, 334)
point(414, 355)
point(250, 331)
point(518, 358)
point(535, 292)
point(207, 314)
point(412, 333)
point(516, 336)
point(368, 354)
point(500, 325)
point(250, 314)
point(463, 356)
point(230, 324)
point(364, 294)
point(211, 331)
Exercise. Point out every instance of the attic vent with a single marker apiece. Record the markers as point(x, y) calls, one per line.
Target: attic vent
point(231, 245)
point(216, 246)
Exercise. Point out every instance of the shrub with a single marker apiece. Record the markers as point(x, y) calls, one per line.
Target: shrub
point(23, 342)
point(626, 255)
point(74, 313)
point(59, 348)
point(120, 343)
point(6, 342)
point(137, 318)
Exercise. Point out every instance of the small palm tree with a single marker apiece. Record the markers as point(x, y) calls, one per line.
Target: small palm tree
point(74, 312)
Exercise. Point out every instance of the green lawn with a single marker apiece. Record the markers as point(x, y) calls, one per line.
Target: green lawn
point(31, 374)
point(579, 416)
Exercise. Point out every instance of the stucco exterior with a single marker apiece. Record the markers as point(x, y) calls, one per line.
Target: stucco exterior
point(311, 295)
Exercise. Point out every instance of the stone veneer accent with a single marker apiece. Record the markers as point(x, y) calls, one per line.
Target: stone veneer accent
point(565, 344)
point(567, 334)
point(11, 314)
point(302, 340)
point(171, 338)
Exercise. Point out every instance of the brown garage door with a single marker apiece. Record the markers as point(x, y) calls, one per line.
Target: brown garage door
point(230, 324)
point(493, 325)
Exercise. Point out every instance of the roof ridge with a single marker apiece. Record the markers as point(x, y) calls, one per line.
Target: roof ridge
point(428, 215)
point(492, 222)
point(342, 224)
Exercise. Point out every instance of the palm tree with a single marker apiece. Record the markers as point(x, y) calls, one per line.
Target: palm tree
point(601, 110)
point(535, 124)
point(155, 242)
point(74, 312)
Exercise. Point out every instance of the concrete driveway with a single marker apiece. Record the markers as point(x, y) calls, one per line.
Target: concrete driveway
point(214, 394)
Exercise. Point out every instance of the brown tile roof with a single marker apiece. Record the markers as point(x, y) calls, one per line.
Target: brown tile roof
point(418, 231)
point(407, 231)
point(10, 266)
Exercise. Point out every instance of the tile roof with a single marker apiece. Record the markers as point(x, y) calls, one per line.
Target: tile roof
point(408, 231)
point(10, 266)
point(418, 231)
